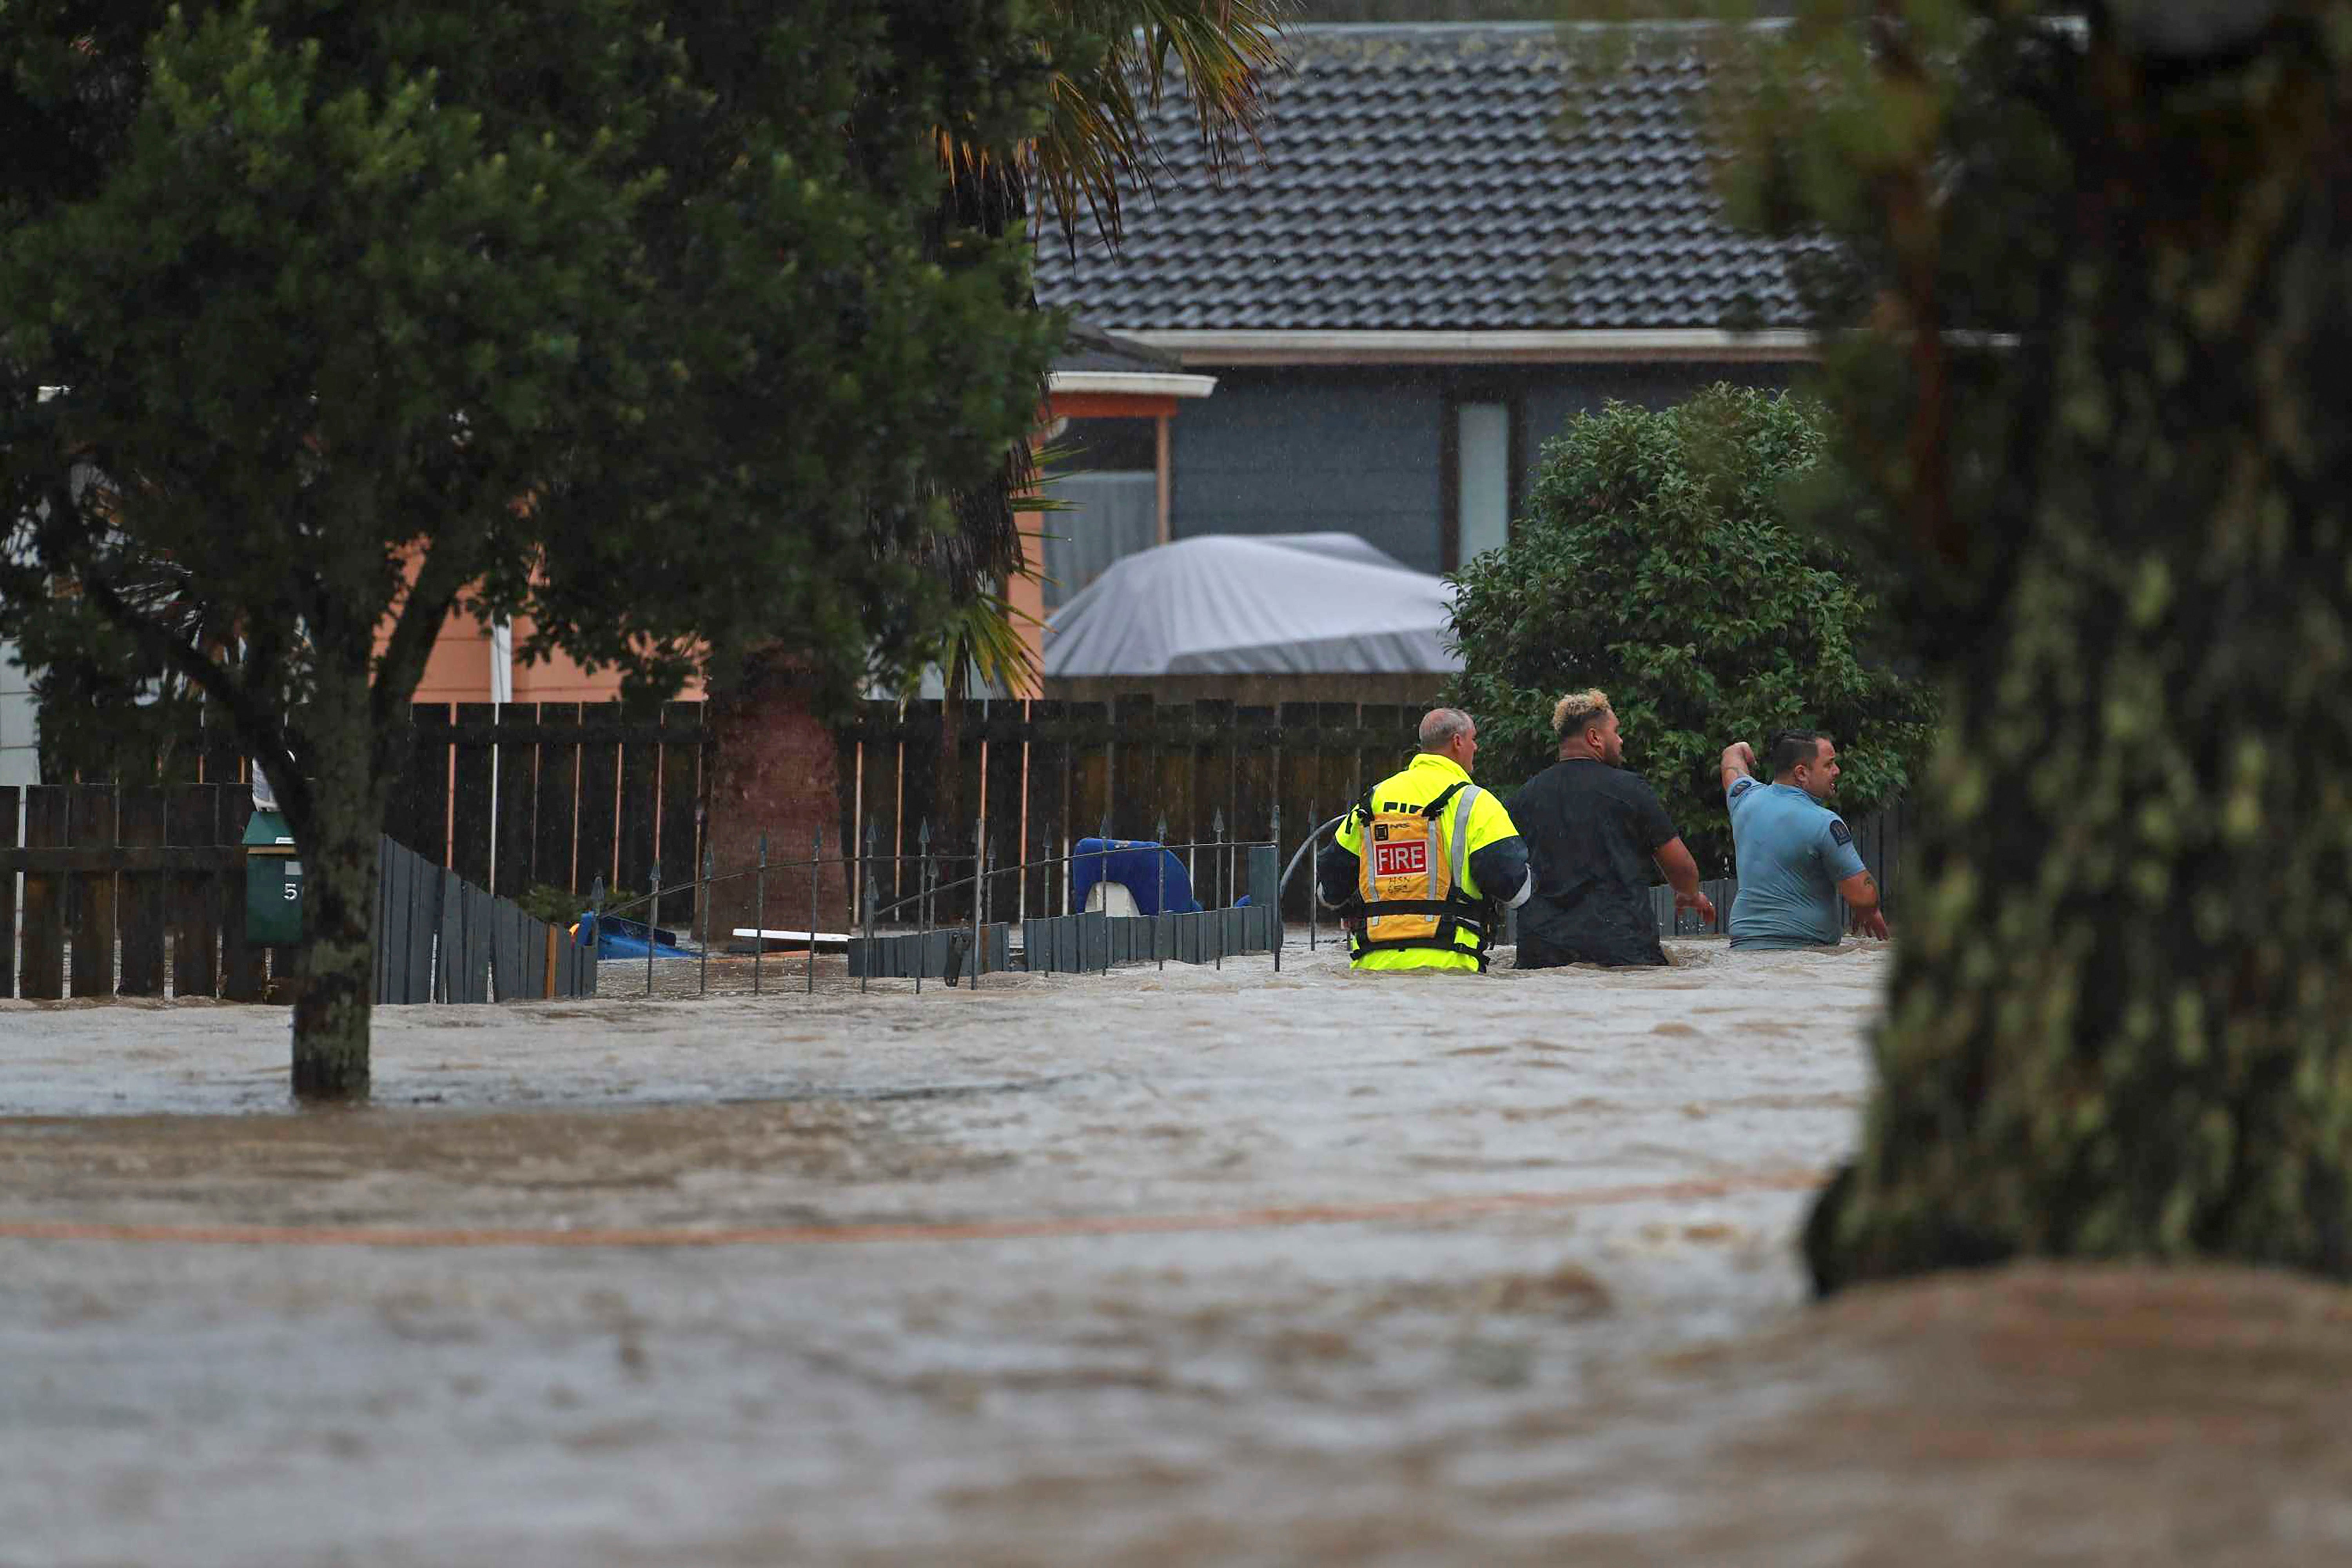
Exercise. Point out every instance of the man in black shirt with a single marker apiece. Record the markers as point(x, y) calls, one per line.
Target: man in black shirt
point(1592, 831)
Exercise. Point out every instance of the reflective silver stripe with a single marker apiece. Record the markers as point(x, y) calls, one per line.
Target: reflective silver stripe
point(1462, 805)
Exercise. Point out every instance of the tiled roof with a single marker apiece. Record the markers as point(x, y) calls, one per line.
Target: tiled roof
point(1418, 177)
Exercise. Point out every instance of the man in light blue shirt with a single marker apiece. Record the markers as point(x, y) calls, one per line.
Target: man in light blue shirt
point(1797, 857)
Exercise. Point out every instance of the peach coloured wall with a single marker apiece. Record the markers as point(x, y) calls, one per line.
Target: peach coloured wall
point(458, 670)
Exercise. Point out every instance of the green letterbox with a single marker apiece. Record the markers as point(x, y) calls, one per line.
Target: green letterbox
point(273, 883)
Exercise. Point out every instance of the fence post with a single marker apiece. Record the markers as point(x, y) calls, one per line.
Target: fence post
point(1160, 909)
point(1272, 919)
point(759, 912)
point(596, 907)
point(702, 902)
point(1102, 880)
point(979, 879)
point(922, 900)
point(652, 912)
point(866, 895)
point(816, 870)
point(1217, 826)
point(1314, 882)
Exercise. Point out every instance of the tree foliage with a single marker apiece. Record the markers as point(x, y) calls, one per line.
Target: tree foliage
point(627, 322)
point(1655, 561)
point(1112, 65)
point(2083, 283)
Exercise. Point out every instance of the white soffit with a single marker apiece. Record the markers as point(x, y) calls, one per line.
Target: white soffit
point(1596, 346)
point(1132, 383)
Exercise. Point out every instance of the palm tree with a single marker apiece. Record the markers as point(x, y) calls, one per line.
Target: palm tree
point(1114, 65)
point(1117, 62)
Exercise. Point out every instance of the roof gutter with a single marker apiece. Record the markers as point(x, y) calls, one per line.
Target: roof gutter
point(1132, 383)
point(1597, 346)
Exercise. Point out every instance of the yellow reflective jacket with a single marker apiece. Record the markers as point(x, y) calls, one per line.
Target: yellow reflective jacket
point(1422, 905)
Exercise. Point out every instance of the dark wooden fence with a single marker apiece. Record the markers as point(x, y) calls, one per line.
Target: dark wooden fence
point(121, 889)
point(516, 795)
point(439, 938)
point(511, 795)
point(1033, 778)
point(140, 893)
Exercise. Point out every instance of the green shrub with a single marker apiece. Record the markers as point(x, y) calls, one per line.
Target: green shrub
point(560, 906)
point(1657, 562)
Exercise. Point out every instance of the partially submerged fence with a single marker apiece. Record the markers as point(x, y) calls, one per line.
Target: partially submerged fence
point(439, 938)
point(141, 893)
point(562, 794)
point(514, 794)
point(944, 944)
point(1044, 774)
point(126, 892)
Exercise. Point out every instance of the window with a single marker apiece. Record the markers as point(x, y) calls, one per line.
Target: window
point(1105, 478)
point(1481, 481)
point(1483, 477)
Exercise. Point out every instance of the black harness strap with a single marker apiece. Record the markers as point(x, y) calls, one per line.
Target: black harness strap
point(1421, 944)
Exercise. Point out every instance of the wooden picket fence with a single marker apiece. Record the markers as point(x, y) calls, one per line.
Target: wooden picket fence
point(125, 891)
point(140, 893)
point(1035, 777)
point(511, 795)
point(439, 938)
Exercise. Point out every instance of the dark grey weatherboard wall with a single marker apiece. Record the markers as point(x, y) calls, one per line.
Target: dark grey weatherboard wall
point(1282, 451)
point(1361, 449)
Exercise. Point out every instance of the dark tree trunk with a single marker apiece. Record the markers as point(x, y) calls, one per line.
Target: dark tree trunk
point(337, 811)
point(776, 771)
point(2120, 1018)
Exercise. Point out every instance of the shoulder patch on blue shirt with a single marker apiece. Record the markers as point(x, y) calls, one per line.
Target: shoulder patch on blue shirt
point(1839, 833)
point(1740, 787)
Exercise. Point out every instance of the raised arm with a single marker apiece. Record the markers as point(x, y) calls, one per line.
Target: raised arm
point(1738, 762)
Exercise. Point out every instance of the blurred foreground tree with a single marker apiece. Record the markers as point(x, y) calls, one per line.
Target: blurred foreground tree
point(2098, 266)
point(316, 322)
point(1655, 562)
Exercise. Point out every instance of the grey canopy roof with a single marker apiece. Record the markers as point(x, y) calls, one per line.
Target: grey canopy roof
point(1280, 604)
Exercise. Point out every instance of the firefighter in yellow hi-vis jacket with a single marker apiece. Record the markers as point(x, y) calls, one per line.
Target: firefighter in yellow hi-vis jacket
point(1424, 866)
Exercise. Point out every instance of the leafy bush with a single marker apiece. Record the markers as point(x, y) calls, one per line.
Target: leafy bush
point(558, 906)
point(1657, 562)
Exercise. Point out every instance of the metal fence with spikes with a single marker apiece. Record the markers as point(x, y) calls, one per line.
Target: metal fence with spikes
point(959, 927)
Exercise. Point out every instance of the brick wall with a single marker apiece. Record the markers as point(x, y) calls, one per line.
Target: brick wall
point(777, 771)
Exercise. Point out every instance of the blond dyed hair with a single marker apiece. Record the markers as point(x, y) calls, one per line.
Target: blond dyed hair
point(1572, 712)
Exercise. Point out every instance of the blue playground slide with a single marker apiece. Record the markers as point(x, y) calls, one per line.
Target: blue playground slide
point(1136, 864)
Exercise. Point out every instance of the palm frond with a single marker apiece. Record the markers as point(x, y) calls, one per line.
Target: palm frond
point(1096, 146)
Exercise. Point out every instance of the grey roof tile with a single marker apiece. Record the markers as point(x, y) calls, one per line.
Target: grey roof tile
point(1418, 176)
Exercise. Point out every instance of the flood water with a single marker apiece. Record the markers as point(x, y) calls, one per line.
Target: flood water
point(1146, 1268)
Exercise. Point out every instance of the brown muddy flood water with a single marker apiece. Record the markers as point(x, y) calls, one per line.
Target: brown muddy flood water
point(1175, 1268)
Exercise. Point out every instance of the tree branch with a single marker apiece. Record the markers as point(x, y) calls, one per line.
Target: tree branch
point(431, 595)
point(257, 727)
